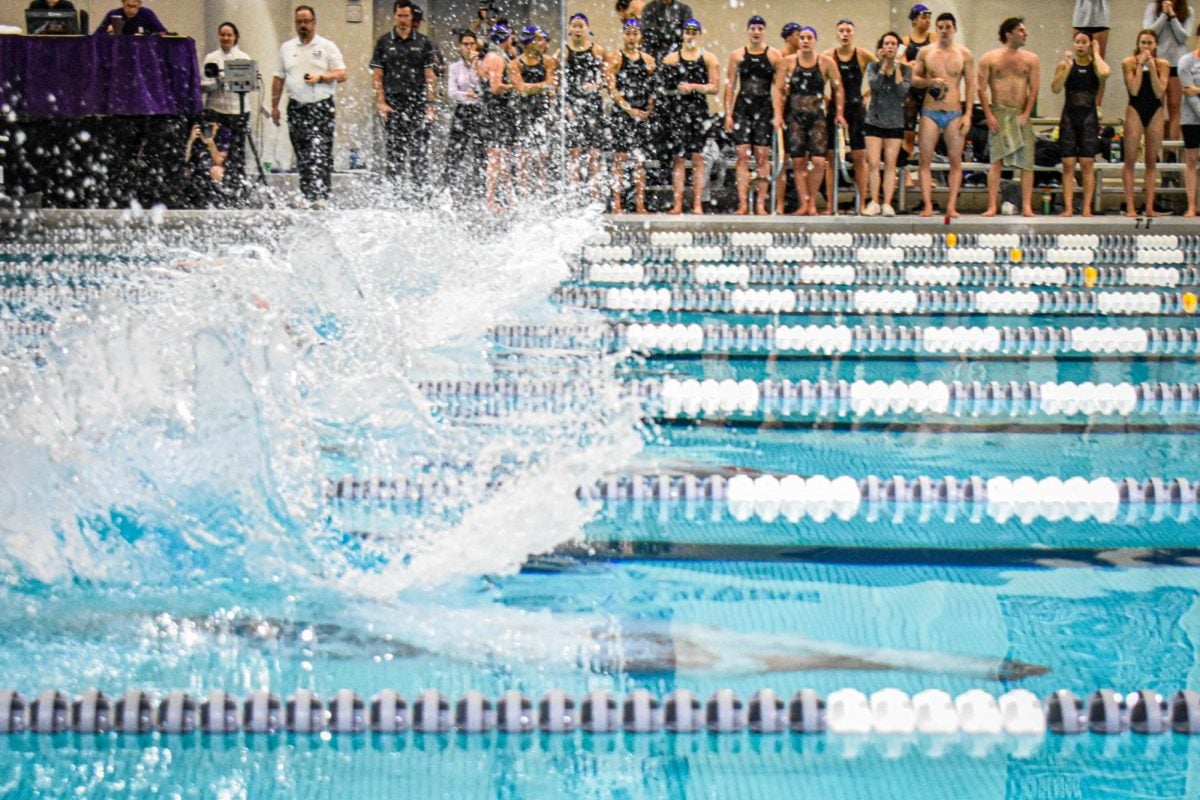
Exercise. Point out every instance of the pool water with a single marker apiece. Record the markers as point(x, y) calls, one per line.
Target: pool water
point(231, 468)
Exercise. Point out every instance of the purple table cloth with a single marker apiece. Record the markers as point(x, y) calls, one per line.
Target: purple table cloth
point(79, 76)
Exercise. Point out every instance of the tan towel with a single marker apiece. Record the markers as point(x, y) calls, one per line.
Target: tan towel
point(1012, 144)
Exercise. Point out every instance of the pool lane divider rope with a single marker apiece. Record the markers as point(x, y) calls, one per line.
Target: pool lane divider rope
point(763, 340)
point(871, 301)
point(887, 712)
point(866, 269)
point(771, 498)
point(730, 400)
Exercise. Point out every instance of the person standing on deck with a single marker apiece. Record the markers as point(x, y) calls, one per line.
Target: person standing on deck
point(534, 76)
point(883, 126)
point(1008, 86)
point(500, 121)
point(1081, 73)
point(798, 96)
point(310, 67)
point(1146, 78)
point(224, 107)
point(851, 61)
point(405, 84)
point(583, 104)
point(920, 18)
point(748, 117)
point(1171, 21)
point(688, 76)
point(1189, 78)
point(466, 152)
point(947, 70)
point(630, 72)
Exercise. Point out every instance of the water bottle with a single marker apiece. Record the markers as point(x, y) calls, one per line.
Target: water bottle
point(1047, 199)
point(968, 155)
point(355, 160)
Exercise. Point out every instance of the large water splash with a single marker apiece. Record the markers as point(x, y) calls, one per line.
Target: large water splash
point(180, 422)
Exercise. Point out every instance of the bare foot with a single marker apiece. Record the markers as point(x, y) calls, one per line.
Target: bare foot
point(761, 211)
point(1150, 212)
point(990, 212)
point(616, 209)
point(925, 212)
point(1087, 212)
point(1129, 212)
point(1191, 212)
point(639, 209)
point(1068, 212)
point(802, 211)
point(952, 213)
point(1027, 212)
point(741, 211)
point(698, 209)
point(676, 210)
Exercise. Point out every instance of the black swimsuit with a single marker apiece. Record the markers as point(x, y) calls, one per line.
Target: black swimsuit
point(633, 84)
point(1079, 128)
point(689, 111)
point(752, 111)
point(916, 96)
point(533, 111)
point(853, 110)
point(1144, 102)
point(500, 121)
point(804, 113)
point(584, 128)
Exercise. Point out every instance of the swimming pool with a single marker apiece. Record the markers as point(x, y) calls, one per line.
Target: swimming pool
point(333, 452)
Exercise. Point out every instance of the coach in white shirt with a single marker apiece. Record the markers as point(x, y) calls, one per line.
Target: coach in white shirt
point(310, 66)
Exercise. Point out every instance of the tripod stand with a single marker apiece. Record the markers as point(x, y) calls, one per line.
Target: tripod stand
point(262, 175)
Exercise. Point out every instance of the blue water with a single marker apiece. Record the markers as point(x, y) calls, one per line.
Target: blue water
point(166, 528)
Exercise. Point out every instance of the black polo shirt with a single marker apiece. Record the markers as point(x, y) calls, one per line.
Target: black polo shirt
point(404, 62)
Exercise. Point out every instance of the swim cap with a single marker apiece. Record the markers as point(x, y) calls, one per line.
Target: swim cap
point(756, 20)
point(788, 29)
point(693, 23)
point(918, 10)
point(811, 30)
point(500, 34)
point(579, 15)
point(528, 34)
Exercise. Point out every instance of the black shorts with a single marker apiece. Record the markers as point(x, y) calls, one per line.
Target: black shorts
point(585, 129)
point(1091, 31)
point(1079, 134)
point(912, 108)
point(855, 119)
point(870, 131)
point(628, 134)
point(1191, 137)
point(753, 120)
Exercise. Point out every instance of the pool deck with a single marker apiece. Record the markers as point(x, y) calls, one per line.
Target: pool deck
point(16, 224)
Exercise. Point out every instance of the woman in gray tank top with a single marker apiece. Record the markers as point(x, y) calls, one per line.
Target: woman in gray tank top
point(884, 123)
